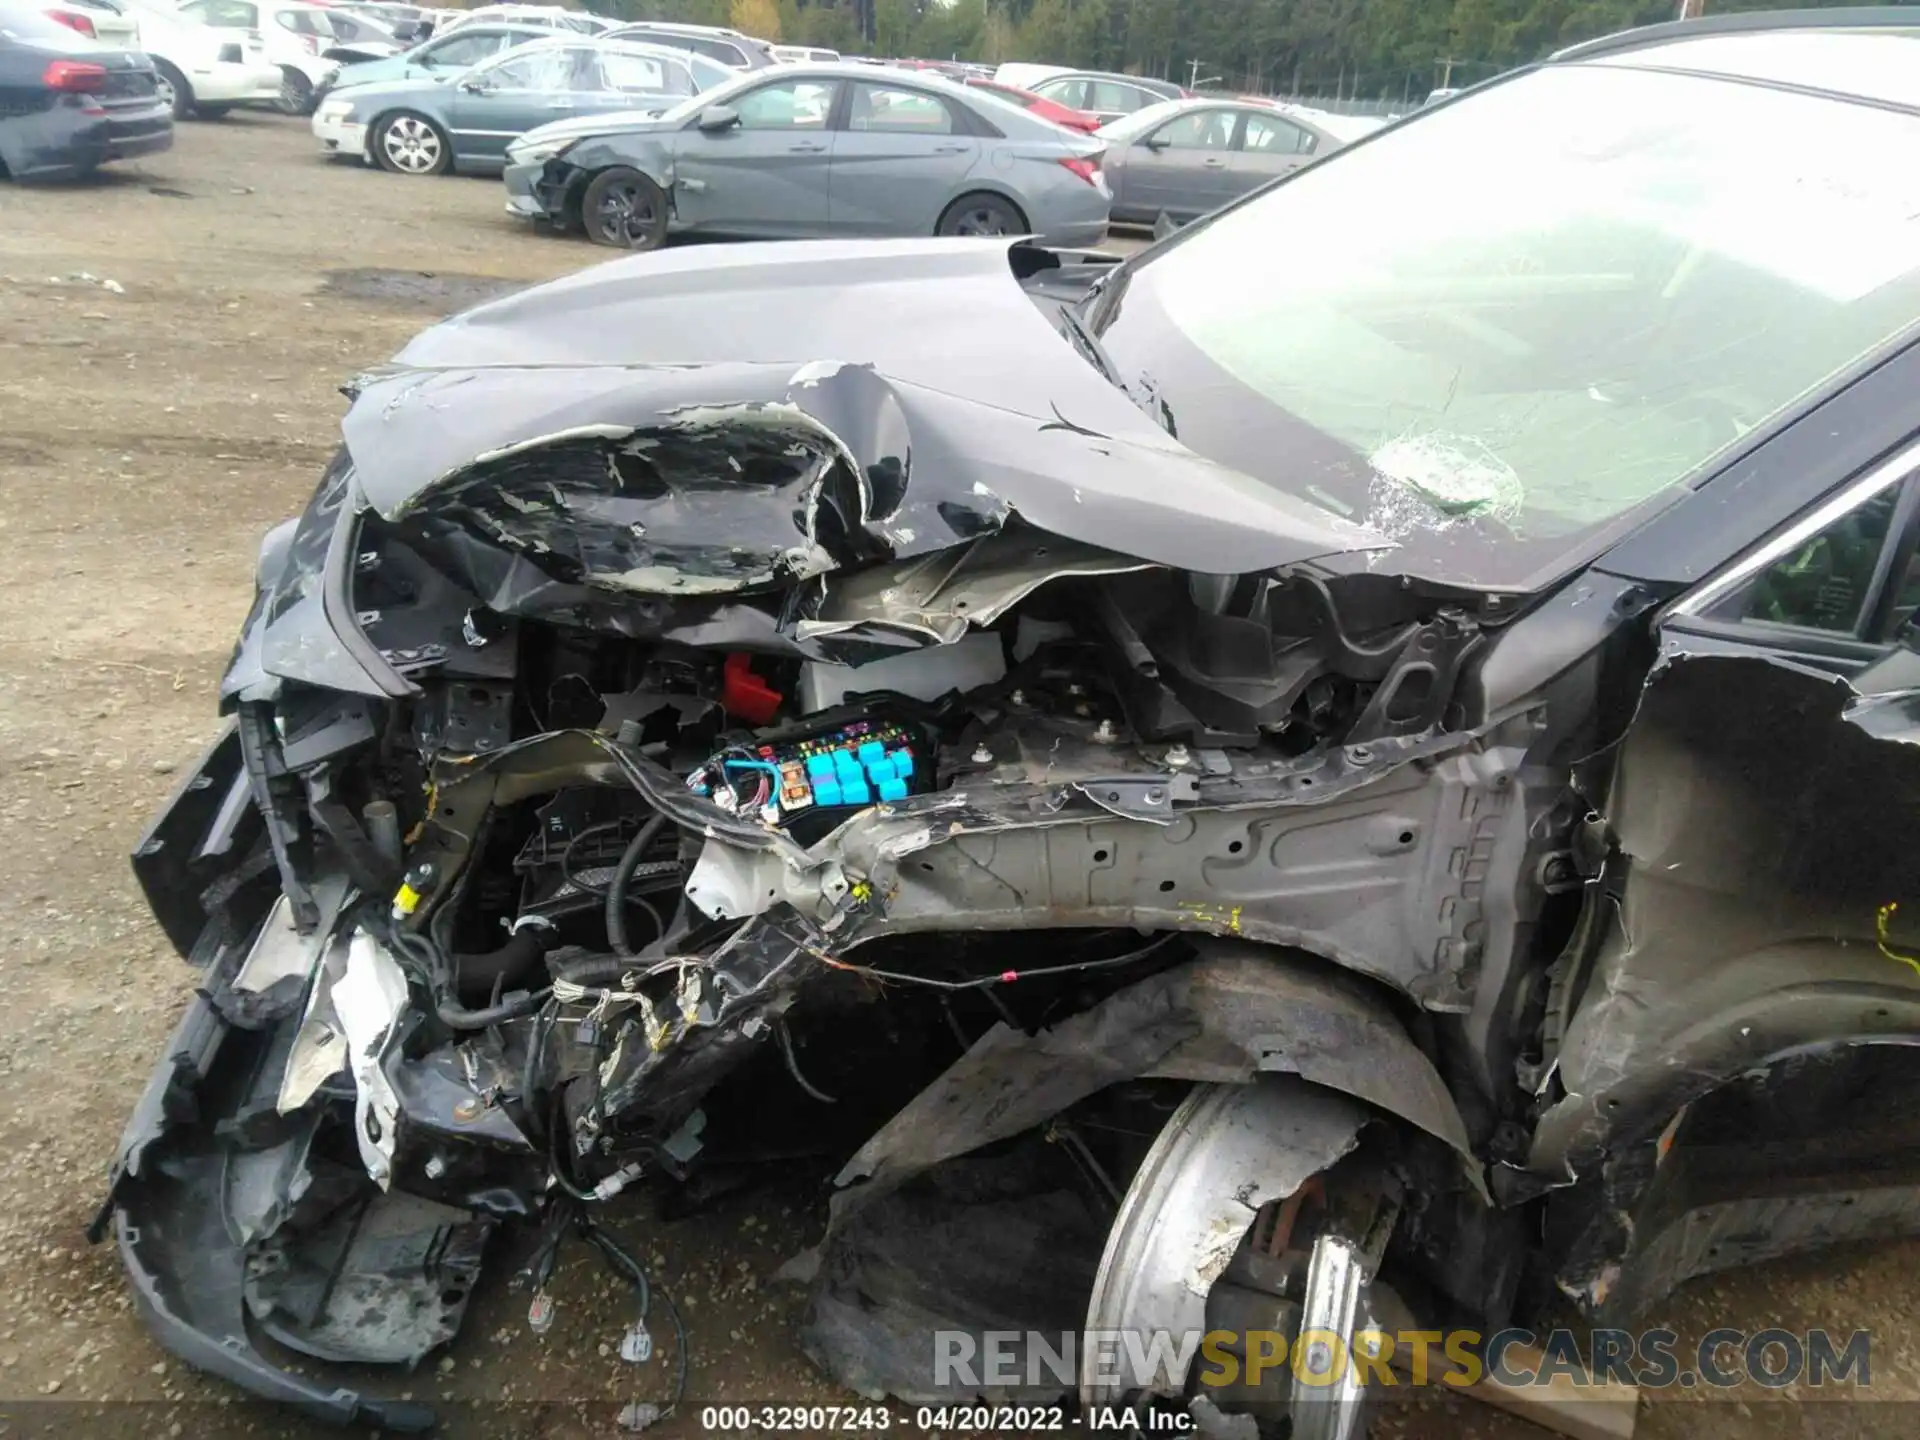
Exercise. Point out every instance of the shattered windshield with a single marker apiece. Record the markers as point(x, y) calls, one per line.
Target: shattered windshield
point(1496, 330)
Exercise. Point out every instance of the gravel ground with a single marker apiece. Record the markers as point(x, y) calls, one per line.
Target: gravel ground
point(171, 337)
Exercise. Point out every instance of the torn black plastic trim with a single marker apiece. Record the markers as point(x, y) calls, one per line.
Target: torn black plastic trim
point(201, 833)
point(230, 1357)
point(1237, 1011)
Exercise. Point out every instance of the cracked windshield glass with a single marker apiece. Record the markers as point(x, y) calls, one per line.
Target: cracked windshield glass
point(1491, 333)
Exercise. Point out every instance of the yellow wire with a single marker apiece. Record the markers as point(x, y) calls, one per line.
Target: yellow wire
point(1882, 922)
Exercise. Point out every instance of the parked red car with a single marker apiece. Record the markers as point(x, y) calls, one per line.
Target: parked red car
point(1046, 109)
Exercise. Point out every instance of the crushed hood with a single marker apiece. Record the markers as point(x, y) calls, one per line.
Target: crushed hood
point(715, 419)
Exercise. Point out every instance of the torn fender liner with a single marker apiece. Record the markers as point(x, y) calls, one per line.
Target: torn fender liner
point(1236, 1011)
point(1006, 1242)
point(912, 1250)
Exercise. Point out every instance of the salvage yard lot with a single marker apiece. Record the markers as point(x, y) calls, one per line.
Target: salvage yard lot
point(171, 342)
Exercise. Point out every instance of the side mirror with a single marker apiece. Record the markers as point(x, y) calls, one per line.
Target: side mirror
point(1156, 142)
point(475, 85)
point(719, 117)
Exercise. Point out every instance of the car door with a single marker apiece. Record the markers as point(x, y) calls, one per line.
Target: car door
point(1267, 147)
point(495, 103)
point(900, 156)
point(765, 171)
point(1180, 168)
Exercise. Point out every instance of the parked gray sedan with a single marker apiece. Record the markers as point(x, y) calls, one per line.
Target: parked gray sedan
point(1184, 158)
point(813, 150)
point(464, 121)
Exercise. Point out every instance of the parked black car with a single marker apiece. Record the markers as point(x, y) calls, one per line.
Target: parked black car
point(69, 105)
point(1335, 771)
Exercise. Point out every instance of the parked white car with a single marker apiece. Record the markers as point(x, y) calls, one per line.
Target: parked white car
point(202, 72)
point(104, 20)
point(558, 16)
point(1024, 75)
point(295, 38)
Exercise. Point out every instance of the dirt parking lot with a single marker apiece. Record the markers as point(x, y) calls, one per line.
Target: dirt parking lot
point(171, 340)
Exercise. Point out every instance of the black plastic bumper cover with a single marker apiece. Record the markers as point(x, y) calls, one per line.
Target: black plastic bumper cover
point(187, 1273)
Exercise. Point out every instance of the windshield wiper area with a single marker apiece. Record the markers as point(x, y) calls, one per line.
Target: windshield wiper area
point(1084, 340)
point(1143, 392)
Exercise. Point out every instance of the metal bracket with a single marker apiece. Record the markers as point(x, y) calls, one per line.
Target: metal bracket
point(1140, 797)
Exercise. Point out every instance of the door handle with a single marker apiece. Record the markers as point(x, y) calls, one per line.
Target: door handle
point(1215, 164)
point(949, 149)
point(812, 147)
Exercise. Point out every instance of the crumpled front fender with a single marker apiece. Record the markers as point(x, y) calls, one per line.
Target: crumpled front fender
point(1236, 1011)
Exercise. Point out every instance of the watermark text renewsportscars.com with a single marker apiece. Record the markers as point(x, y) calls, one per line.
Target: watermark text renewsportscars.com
point(1652, 1359)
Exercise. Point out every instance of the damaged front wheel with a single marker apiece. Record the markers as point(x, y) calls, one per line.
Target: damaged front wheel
point(1246, 1222)
point(624, 209)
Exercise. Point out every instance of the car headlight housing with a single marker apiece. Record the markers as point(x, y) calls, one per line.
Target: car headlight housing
point(537, 153)
point(336, 110)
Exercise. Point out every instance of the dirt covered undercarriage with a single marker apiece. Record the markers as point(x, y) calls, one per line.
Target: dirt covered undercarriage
point(1150, 910)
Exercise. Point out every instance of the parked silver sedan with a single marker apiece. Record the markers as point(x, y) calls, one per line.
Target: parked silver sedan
point(1184, 158)
point(816, 150)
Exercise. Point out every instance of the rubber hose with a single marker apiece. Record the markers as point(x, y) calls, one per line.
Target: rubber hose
point(476, 975)
point(514, 1007)
point(592, 972)
point(622, 877)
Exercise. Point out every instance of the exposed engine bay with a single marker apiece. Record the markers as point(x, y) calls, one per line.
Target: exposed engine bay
point(1151, 912)
point(594, 911)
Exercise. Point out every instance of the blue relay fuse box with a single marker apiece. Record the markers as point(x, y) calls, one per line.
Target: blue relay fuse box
point(861, 764)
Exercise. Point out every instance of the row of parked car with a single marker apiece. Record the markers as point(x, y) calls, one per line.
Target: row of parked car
point(640, 132)
point(630, 133)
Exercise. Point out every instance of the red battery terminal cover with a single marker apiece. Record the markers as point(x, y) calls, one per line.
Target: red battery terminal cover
point(745, 694)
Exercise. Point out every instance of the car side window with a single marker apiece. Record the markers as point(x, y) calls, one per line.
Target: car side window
point(884, 109)
point(458, 51)
point(790, 105)
point(1108, 95)
point(1196, 130)
point(725, 51)
point(546, 70)
point(1906, 594)
point(707, 73)
point(1267, 135)
point(1826, 583)
point(1064, 92)
point(634, 74)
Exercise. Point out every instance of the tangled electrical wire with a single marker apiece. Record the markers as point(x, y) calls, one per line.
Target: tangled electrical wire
point(998, 977)
point(571, 1215)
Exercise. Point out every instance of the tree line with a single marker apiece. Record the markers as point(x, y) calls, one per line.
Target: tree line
point(1367, 49)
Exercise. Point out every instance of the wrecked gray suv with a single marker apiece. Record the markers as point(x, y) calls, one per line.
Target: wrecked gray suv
point(1204, 800)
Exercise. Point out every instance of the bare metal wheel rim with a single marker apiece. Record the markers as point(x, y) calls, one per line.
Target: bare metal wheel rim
point(294, 91)
point(163, 90)
point(983, 219)
point(411, 144)
point(626, 214)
